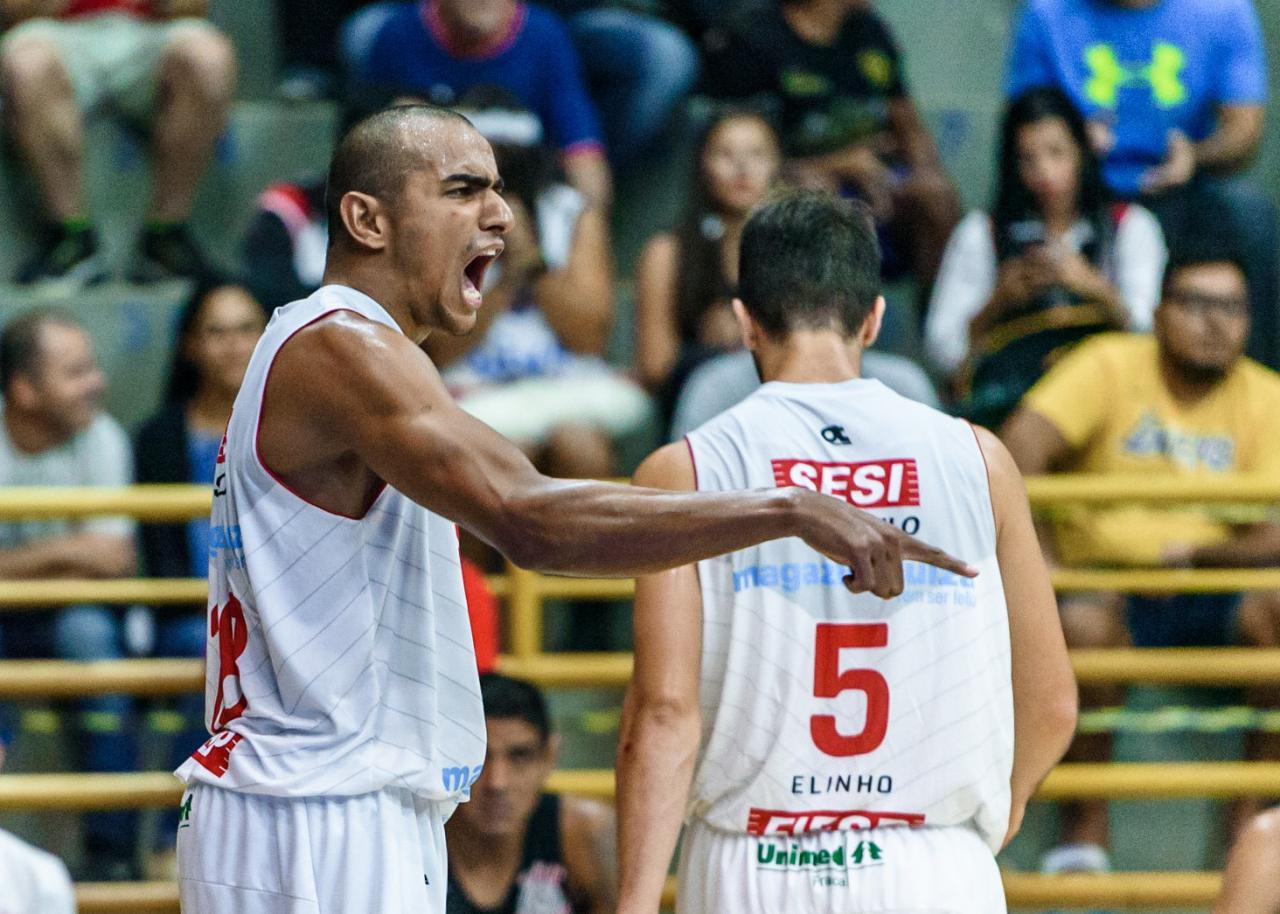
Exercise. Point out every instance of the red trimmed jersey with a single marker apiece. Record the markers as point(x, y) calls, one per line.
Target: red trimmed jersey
point(826, 711)
point(340, 656)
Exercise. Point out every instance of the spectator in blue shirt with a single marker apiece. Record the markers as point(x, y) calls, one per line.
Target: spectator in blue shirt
point(443, 49)
point(639, 69)
point(1175, 92)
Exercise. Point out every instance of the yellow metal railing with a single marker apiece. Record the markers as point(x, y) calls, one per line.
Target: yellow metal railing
point(1228, 666)
point(1074, 890)
point(1070, 780)
point(525, 594)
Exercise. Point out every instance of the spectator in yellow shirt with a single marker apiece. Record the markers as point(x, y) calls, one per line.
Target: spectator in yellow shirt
point(1181, 402)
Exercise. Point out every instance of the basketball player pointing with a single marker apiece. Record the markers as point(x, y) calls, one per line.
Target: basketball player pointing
point(858, 754)
point(342, 691)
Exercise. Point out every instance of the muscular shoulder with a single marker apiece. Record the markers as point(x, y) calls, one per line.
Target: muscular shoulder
point(346, 352)
point(669, 467)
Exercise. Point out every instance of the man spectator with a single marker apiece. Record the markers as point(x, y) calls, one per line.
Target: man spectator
point(31, 880)
point(53, 433)
point(443, 49)
point(847, 121)
point(1175, 92)
point(639, 69)
point(513, 847)
point(1190, 405)
point(154, 62)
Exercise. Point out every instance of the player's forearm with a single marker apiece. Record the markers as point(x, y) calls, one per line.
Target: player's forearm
point(656, 755)
point(596, 528)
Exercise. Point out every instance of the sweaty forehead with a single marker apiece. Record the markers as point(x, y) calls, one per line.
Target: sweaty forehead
point(446, 148)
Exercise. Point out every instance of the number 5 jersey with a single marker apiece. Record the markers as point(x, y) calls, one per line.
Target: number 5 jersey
point(828, 711)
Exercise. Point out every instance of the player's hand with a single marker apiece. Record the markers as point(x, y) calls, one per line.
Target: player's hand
point(872, 550)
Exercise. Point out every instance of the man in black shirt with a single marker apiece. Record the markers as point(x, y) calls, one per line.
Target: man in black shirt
point(513, 848)
point(847, 122)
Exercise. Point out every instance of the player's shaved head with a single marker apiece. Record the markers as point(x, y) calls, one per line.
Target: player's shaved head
point(376, 155)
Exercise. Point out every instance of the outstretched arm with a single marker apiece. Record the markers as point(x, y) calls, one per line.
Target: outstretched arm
point(661, 726)
point(346, 386)
point(1044, 685)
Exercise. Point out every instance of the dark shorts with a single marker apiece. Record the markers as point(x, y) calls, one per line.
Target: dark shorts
point(1183, 620)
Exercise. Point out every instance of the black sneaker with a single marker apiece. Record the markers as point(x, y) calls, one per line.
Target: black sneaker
point(169, 252)
point(66, 256)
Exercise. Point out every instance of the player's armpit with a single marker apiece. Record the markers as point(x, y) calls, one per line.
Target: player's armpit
point(661, 725)
point(1044, 686)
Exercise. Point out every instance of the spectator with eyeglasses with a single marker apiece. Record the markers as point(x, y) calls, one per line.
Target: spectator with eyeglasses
point(1182, 402)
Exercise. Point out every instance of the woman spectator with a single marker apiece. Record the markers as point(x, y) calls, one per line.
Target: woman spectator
point(1055, 262)
point(217, 330)
point(685, 279)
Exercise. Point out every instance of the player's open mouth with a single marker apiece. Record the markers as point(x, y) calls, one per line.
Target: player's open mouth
point(473, 276)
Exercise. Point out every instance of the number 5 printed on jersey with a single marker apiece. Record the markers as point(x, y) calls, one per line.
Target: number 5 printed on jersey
point(829, 681)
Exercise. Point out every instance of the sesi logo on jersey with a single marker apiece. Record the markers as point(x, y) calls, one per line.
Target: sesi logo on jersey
point(873, 484)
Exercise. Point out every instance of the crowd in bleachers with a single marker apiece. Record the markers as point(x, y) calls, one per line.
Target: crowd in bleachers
point(1115, 309)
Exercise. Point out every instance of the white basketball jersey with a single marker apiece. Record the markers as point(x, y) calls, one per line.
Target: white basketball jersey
point(826, 711)
point(339, 656)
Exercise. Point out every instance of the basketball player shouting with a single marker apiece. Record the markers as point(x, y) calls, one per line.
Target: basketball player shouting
point(342, 692)
point(858, 754)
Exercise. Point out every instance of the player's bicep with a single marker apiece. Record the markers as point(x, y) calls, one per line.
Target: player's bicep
point(668, 605)
point(390, 406)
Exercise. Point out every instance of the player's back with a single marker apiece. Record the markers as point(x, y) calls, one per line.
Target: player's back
point(825, 711)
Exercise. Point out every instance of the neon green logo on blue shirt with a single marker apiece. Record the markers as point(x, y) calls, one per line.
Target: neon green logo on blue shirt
point(1108, 75)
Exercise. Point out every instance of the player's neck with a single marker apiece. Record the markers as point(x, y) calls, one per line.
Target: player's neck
point(371, 280)
point(810, 357)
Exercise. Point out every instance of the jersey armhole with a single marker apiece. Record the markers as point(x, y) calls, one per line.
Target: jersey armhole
point(693, 462)
point(257, 428)
point(986, 472)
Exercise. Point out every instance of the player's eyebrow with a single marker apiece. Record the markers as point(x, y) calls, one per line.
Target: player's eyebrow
point(474, 181)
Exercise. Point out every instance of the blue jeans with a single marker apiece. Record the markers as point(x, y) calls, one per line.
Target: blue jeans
point(1244, 218)
point(104, 736)
point(639, 69)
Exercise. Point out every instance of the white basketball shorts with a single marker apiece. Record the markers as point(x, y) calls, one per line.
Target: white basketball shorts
point(877, 871)
point(240, 853)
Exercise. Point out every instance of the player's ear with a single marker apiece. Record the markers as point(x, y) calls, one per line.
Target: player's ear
point(750, 330)
point(553, 750)
point(872, 324)
point(365, 220)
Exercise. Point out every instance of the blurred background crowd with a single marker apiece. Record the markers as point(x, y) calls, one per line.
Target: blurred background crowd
point(1074, 199)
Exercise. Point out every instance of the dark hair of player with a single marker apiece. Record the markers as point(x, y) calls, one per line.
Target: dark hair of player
point(372, 158)
point(809, 261)
point(506, 698)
